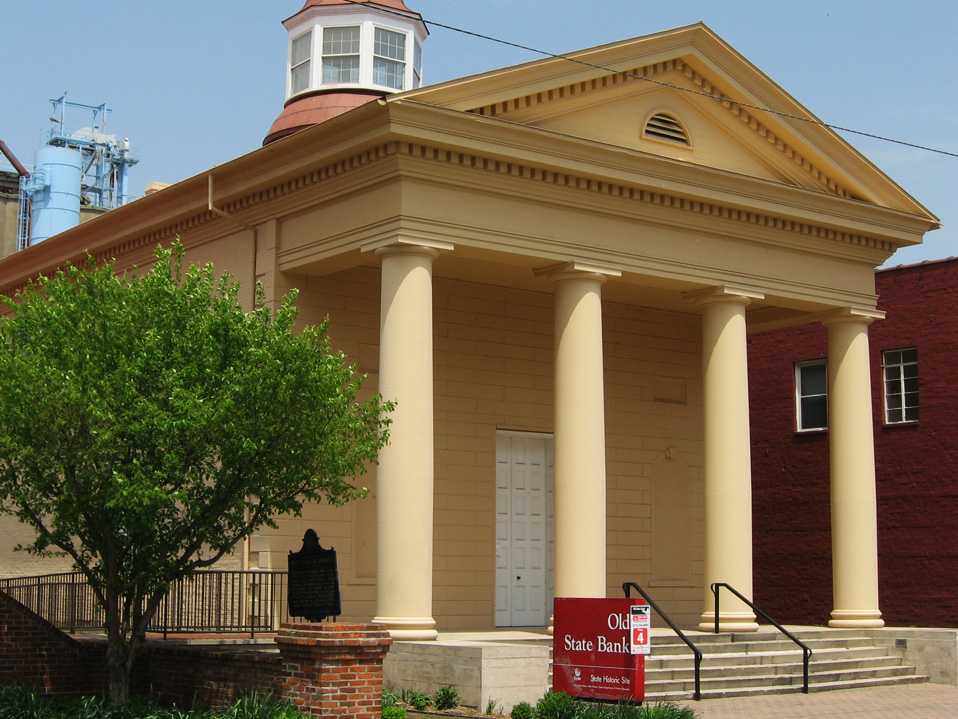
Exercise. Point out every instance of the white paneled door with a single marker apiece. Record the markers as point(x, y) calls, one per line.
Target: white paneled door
point(524, 553)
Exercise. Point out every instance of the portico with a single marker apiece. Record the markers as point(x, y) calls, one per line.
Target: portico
point(517, 255)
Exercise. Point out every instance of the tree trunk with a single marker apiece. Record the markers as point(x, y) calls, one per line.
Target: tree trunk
point(119, 676)
point(122, 646)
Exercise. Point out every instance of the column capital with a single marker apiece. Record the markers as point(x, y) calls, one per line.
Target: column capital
point(723, 293)
point(849, 314)
point(577, 269)
point(407, 246)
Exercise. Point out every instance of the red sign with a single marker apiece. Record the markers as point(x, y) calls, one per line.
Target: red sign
point(592, 650)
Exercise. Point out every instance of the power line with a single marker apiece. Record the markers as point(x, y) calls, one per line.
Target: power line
point(700, 93)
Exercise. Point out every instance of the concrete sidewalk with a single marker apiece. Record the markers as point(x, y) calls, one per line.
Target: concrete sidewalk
point(912, 701)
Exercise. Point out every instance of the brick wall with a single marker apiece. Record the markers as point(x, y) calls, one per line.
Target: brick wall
point(325, 669)
point(210, 676)
point(34, 652)
point(915, 463)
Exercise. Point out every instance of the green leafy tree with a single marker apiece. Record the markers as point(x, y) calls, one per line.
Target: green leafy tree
point(148, 423)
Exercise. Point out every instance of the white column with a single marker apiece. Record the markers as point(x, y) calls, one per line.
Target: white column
point(727, 456)
point(404, 487)
point(579, 473)
point(852, 460)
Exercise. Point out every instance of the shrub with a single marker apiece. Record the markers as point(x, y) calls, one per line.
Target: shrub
point(446, 697)
point(390, 698)
point(17, 702)
point(666, 710)
point(522, 710)
point(418, 700)
point(394, 712)
point(556, 705)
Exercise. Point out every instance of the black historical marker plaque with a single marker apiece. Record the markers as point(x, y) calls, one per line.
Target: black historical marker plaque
point(313, 581)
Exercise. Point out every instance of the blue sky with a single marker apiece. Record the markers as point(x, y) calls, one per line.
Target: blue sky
point(197, 83)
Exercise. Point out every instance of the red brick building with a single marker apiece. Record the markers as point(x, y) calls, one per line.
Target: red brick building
point(916, 456)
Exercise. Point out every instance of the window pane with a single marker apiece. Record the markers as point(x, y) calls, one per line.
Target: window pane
point(388, 73)
point(300, 50)
point(417, 65)
point(911, 414)
point(814, 413)
point(894, 415)
point(340, 69)
point(813, 379)
point(909, 355)
point(390, 44)
point(341, 41)
point(300, 78)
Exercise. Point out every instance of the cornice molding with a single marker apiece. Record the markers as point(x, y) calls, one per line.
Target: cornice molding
point(649, 197)
point(473, 162)
point(707, 87)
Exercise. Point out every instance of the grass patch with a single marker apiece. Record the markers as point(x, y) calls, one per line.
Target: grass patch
point(19, 702)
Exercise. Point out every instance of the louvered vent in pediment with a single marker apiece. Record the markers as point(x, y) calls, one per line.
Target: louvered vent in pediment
point(663, 126)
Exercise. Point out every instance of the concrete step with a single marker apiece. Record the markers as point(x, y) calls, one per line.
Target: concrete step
point(653, 662)
point(769, 662)
point(791, 668)
point(652, 695)
point(831, 674)
point(735, 686)
point(782, 644)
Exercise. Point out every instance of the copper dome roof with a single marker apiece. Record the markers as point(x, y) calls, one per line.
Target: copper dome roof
point(309, 110)
point(396, 4)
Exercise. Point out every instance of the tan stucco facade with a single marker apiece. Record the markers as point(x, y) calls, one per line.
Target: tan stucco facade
point(511, 254)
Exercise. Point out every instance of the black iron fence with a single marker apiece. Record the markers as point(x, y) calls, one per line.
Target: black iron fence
point(210, 601)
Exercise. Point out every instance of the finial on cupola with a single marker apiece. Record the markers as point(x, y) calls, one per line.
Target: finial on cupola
point(344, 53)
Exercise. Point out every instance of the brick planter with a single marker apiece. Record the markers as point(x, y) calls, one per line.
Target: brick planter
point(334, 669)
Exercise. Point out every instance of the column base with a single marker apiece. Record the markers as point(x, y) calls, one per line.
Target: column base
point(409, 629)
point(729, 622)
point(856, 619)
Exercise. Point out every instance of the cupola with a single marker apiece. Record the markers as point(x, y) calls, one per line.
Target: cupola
point(344, 53)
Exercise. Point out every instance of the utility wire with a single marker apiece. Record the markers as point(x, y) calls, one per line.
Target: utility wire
point(700, 93)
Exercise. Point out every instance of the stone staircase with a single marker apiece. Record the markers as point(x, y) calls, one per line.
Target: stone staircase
point(768, 662)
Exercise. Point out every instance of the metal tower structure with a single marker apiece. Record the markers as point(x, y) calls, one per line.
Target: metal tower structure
point(81, 165)
point(106, 160)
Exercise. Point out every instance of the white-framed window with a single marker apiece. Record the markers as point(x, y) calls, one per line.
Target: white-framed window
point(417, 65)
point(900, 369)
point(389, 58)
point(341, 47)
point(811, 395)
point(299, 62)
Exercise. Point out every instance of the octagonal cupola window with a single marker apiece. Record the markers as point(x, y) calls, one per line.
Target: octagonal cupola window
point(338, 45)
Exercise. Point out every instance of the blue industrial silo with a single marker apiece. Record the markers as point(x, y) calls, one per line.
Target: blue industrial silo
point(54, 188)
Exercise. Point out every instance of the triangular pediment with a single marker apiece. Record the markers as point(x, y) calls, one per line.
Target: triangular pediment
point(731, 116)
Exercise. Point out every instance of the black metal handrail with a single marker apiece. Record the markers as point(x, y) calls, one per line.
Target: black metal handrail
point(208, 601)
point(697, 695)
point(806, 652)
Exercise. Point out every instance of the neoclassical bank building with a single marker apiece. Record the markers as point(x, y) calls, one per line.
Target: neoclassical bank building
point(552, 269)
